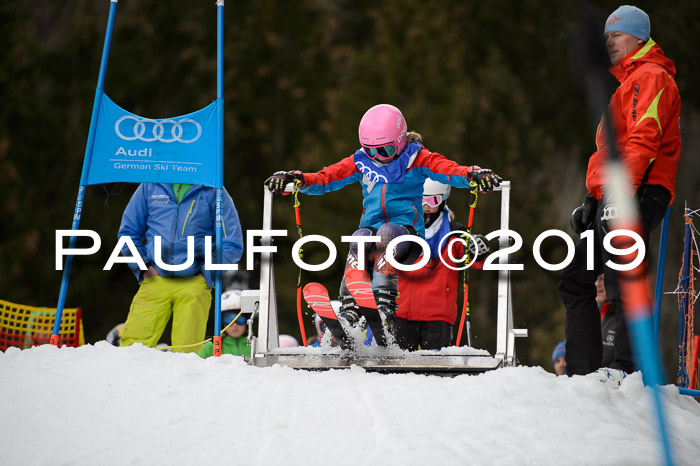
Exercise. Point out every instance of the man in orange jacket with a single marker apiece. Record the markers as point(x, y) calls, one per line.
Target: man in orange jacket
point(645, 110)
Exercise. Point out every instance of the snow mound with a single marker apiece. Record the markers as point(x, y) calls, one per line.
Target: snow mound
point(101, 405)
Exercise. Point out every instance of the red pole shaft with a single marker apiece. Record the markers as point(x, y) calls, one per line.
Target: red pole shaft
point(465, 309)
point(299, 291)
point(694, 362)
point(473, 192)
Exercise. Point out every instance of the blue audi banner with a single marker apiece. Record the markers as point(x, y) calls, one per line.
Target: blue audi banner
point(135, 149)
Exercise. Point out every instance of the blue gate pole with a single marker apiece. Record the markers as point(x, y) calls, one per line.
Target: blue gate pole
point(689, 392)
point(660, 270)
point(219, 169)
point(86, 169)
point(640, 327)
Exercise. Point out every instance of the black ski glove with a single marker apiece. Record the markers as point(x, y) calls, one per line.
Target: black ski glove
point(608, 214)
point(583, 216)
point(277, 182)
point(485, 179)
point(478, 247)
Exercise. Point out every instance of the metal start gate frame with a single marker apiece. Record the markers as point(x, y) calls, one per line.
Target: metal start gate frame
point(265, 350)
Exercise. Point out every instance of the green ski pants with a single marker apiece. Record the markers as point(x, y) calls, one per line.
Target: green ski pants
point(186, 299)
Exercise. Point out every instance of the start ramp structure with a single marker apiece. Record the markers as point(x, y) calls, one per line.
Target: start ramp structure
point(449, 361)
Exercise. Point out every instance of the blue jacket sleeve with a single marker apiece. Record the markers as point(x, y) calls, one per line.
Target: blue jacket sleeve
point(232, 240)
point(134, 226)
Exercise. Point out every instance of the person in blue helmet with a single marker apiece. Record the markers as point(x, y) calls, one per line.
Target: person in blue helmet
point(559, 358)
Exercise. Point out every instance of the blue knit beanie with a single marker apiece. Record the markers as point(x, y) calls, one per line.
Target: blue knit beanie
point(559, 350)
point(630, 20)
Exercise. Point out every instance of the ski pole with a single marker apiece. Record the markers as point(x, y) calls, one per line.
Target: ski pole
point(473, 194)
point(301, 256)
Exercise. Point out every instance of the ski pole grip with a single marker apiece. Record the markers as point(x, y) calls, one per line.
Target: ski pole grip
point(473, 192)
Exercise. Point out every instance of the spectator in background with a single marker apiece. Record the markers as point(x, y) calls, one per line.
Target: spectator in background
point(235, 322)
point(174, 212)
point(428, 296)
point(607, 322)
point(559, 358)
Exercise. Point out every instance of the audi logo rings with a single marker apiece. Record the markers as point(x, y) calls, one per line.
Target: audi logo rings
point(158, 130)
point(371, 175)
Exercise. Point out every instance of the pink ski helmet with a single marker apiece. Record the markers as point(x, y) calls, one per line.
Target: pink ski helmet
point(382, 132)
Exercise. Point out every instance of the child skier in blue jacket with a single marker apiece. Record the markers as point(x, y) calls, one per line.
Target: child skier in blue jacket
point(392, 172)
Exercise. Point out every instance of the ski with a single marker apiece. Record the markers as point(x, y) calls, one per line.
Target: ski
point(317, 298)
point(360, 286)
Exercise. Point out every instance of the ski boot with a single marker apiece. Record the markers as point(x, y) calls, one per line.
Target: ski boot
point(387, 306)
point(349, 310)
point(612, 378)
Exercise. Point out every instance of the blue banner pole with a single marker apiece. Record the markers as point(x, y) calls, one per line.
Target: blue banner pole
point(660, 270)
point(219, 169)
point(84, 175)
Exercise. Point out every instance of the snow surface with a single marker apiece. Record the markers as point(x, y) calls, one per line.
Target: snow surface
point(102, 405)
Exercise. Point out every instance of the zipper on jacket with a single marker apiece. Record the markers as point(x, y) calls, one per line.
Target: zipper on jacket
point(188, 216)
point(415, 219)
point(177, 216)
point(384, 206)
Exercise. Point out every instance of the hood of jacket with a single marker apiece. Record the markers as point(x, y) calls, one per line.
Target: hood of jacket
point(647, 53)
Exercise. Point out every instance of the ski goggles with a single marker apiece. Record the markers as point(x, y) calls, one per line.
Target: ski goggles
point(383, 152)
point(227, 317)
point(432, 201)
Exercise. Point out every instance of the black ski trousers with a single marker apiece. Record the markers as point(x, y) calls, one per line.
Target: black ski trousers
point(584, 346)
point(430, 335)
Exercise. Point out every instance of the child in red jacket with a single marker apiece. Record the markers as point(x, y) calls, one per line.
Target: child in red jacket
point(428, 296)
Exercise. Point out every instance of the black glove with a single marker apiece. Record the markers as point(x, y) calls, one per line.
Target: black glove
point(583, 216)
point(485, 179)
point(277, 182)
point(478, 247)
point(608, 214)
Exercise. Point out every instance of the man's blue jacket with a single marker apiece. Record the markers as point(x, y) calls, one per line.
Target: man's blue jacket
point(154, 211)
